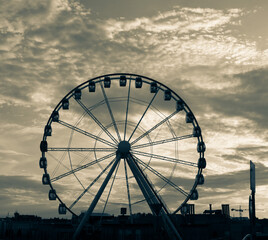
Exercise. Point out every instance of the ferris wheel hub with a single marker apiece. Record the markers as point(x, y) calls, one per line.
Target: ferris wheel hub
point(123, 148)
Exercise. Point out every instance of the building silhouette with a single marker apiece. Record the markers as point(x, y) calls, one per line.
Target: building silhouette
point(212, 224)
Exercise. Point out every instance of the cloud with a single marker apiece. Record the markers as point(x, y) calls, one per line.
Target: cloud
point(68, 47)
point(21, 192)
point(246, 97)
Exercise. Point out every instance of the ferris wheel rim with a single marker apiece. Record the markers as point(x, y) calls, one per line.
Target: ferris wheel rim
point(100, 79)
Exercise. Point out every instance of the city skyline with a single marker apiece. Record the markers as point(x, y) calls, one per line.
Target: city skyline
point(213, 54)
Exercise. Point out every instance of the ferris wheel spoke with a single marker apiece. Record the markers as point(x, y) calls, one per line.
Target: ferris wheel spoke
point(84, 158)
point(81, 167)
point(59, 164)
point(127, 109)
point(86, 133)
point(96, 198)
point(69, 155)
point(91, 184)
point(168, 159)
point(80, 154)
point(154, 127)
point(110, 190)
point(163, 141)
point(96, 120)
point(143, 115)
point(161, 176)
point(58, 161)
point(110, 111)
point(128, 192)
point(82, 149)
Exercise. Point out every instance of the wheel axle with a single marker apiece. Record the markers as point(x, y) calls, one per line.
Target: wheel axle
point(123, 149)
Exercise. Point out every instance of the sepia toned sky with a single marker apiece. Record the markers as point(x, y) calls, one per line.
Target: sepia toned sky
point(213, 53)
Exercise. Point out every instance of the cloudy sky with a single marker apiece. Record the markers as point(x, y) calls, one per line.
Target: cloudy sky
point(214, 54)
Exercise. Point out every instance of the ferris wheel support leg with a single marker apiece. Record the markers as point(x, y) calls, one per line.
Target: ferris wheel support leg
point(146, 188)
point(95, 200)
point(155, 203)
point(141, 185)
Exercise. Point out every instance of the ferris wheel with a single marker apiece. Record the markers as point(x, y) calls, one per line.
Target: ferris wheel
point(122, 140)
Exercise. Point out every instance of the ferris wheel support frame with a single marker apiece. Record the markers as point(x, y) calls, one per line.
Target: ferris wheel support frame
point(155, 203)
point(153, 199)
